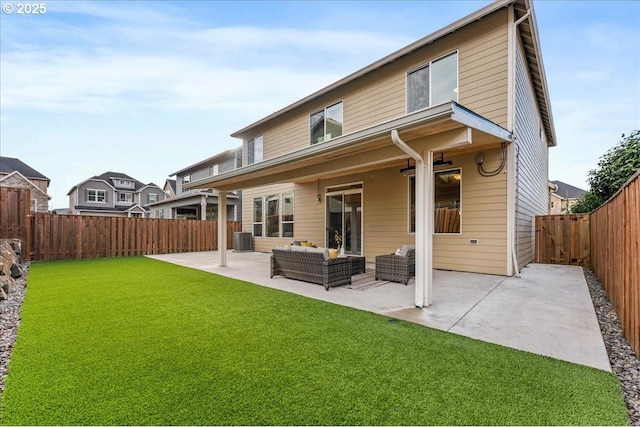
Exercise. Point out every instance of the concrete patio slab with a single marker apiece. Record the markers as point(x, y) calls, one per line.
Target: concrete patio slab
point(547, 311)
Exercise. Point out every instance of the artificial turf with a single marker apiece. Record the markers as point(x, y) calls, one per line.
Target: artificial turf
point(136, 341)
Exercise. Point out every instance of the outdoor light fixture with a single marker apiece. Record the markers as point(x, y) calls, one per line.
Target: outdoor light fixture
point(441, 161)
point(408, 169)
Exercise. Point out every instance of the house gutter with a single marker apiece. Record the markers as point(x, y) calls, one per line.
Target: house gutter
point(424, 228)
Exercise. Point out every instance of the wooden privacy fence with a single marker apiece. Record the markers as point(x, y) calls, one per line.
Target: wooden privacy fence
point(563, 239)
point(55, 237)
point(15, 207)
point(608, 242)
point(615, 253)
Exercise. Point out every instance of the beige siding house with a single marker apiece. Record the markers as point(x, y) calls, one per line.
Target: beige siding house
point(442, 144)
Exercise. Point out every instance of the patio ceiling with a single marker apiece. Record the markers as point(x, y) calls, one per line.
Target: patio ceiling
point(446, 125)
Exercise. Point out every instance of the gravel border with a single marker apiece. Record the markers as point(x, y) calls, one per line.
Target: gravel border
point(10, 320)
point(624, 363)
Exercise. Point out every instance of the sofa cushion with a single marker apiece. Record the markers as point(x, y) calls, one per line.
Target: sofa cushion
point(323, 251)
point(405, 249)
point(295, 248)
point(282, 248)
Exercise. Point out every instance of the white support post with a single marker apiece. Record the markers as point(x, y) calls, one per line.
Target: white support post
point(428, 230)
point(203, 208)
point(222, 228)
point(421, 253)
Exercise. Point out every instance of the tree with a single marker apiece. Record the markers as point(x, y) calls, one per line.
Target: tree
point(616, 167)
point(587, 203)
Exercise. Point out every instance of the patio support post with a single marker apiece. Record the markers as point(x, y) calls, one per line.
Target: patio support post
point(429, 207)
point(222, 229)
point(424, 226)
point(203, 207)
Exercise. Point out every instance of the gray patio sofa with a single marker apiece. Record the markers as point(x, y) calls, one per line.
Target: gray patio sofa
point(310, 265)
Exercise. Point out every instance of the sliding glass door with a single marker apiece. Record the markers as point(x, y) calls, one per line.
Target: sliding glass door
point(344, 219)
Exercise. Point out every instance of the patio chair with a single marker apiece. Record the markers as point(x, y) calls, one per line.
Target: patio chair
point(397, 267)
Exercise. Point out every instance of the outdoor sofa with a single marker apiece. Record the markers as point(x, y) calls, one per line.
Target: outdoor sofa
point(397, 267)
point(310, 265)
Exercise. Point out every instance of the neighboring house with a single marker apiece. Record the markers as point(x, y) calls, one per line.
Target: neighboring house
point(15, 173)
point(113, 194)
point(170, 188)
point(199, 204)
point(443, 144)
point(562, 197)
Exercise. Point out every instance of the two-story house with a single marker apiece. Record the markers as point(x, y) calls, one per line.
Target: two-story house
point(562, 197)
point(15, 173)
point(113, 194)
point(443, 144)
point(181, 203)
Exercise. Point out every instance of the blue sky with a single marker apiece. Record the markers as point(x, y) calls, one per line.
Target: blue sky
point(147, 88)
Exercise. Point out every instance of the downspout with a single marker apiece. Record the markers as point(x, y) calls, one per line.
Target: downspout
point(423, 266)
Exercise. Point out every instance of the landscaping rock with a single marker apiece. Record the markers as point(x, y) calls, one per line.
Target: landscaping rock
point(10, 265)
point(10, 319)
point(624, 362)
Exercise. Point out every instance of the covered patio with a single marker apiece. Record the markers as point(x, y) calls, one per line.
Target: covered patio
point(547, 311)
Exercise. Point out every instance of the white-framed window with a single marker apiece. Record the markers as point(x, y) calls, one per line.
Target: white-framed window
point(412, 204)
point(273, 215)
point(287, 215)
point(257, 217)
point(213, 170)
point(447, 201)
point(160, 214)
point(326, 123)
point(186, 179)
point(33, 205)
point(433, 83)
point(125, 197)
point(125, 183)
point(255, 149)
point(153, 197)
point(96, 196)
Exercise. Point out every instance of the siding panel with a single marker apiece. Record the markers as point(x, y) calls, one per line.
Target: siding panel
point(532, 197)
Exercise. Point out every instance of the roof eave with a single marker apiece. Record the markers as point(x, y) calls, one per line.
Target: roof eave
point(449, 110)
point(229, 152)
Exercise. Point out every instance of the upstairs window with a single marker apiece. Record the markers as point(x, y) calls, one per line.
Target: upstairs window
point(326, 123)
point(433, 84)
point(186, 179)
point(254, 150)
point(125, 197)
point(97, 196)
point(153, 197)
point(213, 170)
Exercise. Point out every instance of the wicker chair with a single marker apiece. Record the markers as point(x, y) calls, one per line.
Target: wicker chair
point(311, 266)
point(397, 267)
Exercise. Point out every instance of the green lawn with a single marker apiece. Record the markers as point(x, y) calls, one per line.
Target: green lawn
point(130, 341)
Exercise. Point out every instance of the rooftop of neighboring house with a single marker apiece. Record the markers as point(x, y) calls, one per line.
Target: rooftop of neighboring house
point(112, 177)
point(567, 191)
point(231, 153)
point(10, 164)
point(172, 184)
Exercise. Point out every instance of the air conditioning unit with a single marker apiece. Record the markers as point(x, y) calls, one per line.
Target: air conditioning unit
point(242, 242)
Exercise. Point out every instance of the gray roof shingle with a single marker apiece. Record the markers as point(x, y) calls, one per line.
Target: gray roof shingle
point(11, 164)
point(567, 191)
